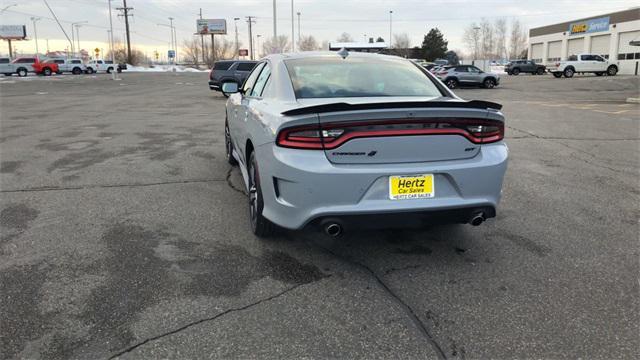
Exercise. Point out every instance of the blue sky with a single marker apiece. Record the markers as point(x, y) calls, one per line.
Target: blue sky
point(325, 19)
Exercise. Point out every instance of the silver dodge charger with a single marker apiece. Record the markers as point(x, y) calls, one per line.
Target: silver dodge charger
point(341, 140)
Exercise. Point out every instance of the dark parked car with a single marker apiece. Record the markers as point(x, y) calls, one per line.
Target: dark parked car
point(515, 67)
point(229, 71)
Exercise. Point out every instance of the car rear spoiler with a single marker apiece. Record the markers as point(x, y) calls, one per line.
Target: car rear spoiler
point(341, 106)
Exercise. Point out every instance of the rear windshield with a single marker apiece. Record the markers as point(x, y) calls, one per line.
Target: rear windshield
point(222, 65)
point(246, 66)
point(4, 60)
point(329, 77)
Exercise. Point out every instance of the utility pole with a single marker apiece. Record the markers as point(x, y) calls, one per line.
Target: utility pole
point(35, 32)
point(275, 26)
point(390, 27)
point(111, 49)
point(250, 21)
point(293, 21)
point(299, 33)
point(173, 41)
point(125, 12)
point(235, 22)
point(202, 40)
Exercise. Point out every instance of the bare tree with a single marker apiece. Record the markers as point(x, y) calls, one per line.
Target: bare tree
point(517, 40)
point(471, 39)
point(401, 41)
point(308, 43)
point(276, 45)
point(345, 37)
point(120, 54)
point(192, 51)
point(487, 40)
point(500, 27)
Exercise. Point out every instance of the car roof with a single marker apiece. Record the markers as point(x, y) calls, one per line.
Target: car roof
point(327, 54)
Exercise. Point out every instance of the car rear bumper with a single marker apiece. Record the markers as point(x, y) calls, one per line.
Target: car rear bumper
point(214, 85)
point(301, 187)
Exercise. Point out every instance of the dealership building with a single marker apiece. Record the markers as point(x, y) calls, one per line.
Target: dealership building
point(615, 36)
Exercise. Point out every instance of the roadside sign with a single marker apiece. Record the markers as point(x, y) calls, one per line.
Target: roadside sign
point(211, 26)
point(97, 51)
point(13, 32)
point(171, 54)
point(243, 52)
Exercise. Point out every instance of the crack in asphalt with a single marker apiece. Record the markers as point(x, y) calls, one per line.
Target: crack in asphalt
point(200, 321)
point(555, 140)
point(98, 186)
point(406, 308)
point(231, 185)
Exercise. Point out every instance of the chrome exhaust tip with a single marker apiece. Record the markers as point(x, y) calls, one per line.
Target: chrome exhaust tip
point(333, 229)
point(477, 219)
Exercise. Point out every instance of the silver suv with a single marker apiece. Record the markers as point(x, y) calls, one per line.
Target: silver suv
point(457, 75)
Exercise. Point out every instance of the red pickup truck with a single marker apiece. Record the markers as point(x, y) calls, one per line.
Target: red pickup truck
point(24, 65)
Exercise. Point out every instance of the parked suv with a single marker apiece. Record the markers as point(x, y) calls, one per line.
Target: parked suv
point(229, 71)
point(94, 66)
point(74, 66)
point(515, 67)
point(454, 76)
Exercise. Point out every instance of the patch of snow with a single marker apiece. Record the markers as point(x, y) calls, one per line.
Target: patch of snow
point(162, 68)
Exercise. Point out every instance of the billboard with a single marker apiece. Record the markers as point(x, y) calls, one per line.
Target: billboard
point(13, 32)
point(589, 26)
point(212, 26)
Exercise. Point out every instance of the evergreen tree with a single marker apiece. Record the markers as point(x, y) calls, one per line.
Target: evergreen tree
point(434, 45)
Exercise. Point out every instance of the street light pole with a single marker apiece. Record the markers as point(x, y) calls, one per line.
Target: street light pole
point(390, 26)
point(172, 40)
point(78, 36)
point(73, 45)
point(299, 33)
point(235, 23)
point(35, 32)
point(275, 26)
point(258, 44)
point(113, 73)
point(475, 50)
point(293, 21)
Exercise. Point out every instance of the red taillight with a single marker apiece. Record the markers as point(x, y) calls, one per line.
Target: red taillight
point(333, 135)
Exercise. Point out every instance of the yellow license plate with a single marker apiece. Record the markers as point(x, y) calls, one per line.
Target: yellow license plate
point(411, 187)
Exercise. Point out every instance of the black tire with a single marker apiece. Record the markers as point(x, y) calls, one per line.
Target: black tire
point(260, 226)
point(515, 71)
point(119, 70)
point(46, 71)
point(612, 70)
point(568, 72)
point(76, 71)
point(489, 83)
point(557, 74)
point(109, 70)
point(509, 73)
point(59, 72)
point(540, 71)
point(451, 83)
point(228, 145)
point(22, 72)
point(90, 71)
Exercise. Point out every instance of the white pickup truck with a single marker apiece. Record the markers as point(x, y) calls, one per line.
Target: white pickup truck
point(74, 66)
point(99, 65)
point(583, 63)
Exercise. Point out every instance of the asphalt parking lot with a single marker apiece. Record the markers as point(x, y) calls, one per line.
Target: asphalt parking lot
point(125, 233)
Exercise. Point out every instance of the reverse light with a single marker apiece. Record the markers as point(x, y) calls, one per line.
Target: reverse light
point(332, 135)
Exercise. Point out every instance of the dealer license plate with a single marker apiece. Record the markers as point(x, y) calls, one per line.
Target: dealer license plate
point(411, 187)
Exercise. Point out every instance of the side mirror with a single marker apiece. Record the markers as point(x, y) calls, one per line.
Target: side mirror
point(230, 88)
